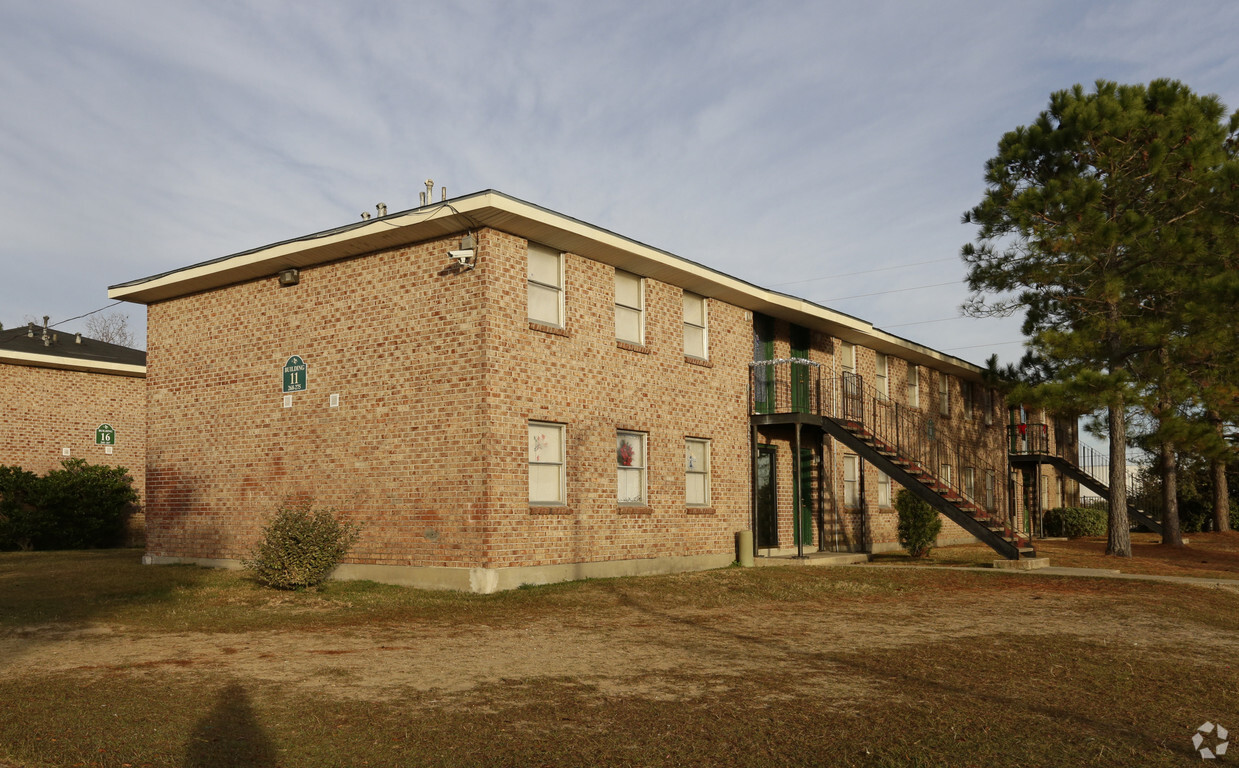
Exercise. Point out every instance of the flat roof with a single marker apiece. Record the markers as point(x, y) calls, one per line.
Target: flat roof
point(526, 220)
point(24, 345)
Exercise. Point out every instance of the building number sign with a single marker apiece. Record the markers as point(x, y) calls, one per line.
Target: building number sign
point(296, 375)
point(105, 435)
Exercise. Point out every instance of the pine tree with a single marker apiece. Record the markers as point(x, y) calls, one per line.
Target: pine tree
point(1093, 218)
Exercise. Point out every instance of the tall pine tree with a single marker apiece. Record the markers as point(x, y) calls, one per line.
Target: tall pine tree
point(1088, 215)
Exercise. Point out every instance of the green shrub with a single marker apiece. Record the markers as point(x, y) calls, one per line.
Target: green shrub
point(18, 514)
point(76, 507)
point(919, 524)
point(300, 546)
point(1074, 522)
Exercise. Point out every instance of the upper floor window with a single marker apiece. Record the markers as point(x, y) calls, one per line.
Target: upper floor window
point(847, 357)
point(629, 307)
point(967, 392)
point(695, 342)
point(881, 378)
point(944, 394)
point(914, 386)
point(546, 285)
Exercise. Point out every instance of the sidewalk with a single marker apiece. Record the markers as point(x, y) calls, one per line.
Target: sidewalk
point(1096, 573)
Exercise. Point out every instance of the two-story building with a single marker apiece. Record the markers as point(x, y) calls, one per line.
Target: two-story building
point(499, 394)
point(69, 396)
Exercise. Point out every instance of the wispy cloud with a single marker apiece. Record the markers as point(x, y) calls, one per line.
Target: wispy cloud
point(769, 141)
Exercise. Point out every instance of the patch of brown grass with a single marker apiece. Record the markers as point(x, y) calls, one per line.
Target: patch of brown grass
point(1206, 555)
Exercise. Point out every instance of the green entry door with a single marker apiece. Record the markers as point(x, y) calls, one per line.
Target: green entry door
point(805, 495)
point(801, 375)
point(767, 498)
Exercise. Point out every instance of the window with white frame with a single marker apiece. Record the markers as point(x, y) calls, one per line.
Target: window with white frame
point(989, 490)
point(546, 463)
point(944, 474)
point(697, 472)
point(914, 386)
point(630, 465)
point(629, 307)
point(884, 489)
point(970, 482)
point(987, 403)
point(851, 466)
point(944, 394)
point(880, 374)
point(546, 285)
point(847, 357)
point(696, 343)
point(967, 392)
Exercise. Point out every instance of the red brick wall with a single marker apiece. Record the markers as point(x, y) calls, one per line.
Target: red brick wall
point(438, 373)
point(584, 379)
point(47, 410)
point(397, 335)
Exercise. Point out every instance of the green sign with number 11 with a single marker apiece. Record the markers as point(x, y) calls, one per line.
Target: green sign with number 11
point(296, 375)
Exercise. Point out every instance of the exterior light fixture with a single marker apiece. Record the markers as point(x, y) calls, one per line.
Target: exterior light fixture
point(290, 277)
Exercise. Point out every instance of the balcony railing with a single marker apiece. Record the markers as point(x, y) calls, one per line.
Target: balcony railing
point(795, 385)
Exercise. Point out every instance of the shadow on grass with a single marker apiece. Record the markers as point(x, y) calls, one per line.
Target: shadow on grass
point(230, 735)
point(76, 587)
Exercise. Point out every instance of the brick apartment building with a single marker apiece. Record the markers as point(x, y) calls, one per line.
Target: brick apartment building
point(68, 396)
point(500, 394)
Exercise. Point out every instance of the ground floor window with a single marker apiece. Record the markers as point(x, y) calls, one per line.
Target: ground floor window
point(630, 461)
point(884, 489)
point(850, 475)
point(546, 463)
point(697, 472)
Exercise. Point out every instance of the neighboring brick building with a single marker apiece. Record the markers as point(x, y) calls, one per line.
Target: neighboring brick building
point(59, 389)
point(500, 394)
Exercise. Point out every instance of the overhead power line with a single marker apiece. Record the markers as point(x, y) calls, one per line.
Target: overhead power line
point(893, 290)
point(88, 314)
point(864, 272)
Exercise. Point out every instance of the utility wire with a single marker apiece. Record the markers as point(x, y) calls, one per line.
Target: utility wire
point(924, 322)
point(864, 272)
point(88, 314)
point(994, 344)
point(893, 290)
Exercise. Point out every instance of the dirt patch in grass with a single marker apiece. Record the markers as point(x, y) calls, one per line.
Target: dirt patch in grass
point(765, 667)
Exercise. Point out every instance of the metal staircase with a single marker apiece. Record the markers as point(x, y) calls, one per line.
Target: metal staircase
point(1030, 446)
point(901, 441)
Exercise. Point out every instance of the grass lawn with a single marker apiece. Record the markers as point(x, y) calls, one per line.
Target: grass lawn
point(109, 663)
point(1207, 555)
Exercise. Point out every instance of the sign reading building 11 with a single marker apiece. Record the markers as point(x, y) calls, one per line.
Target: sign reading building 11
point(296, 375)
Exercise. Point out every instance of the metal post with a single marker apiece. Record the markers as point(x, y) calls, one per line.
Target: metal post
point(797, 493)
point(753, 486)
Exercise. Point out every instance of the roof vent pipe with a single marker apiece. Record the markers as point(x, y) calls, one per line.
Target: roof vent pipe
point(381, 208)
point(430, 191)
point(78, 338)
point(444, 191)
point(47, 340)
point(365, 215)
point(30, 331)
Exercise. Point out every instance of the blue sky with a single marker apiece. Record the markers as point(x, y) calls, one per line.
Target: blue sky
point(824, 149)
